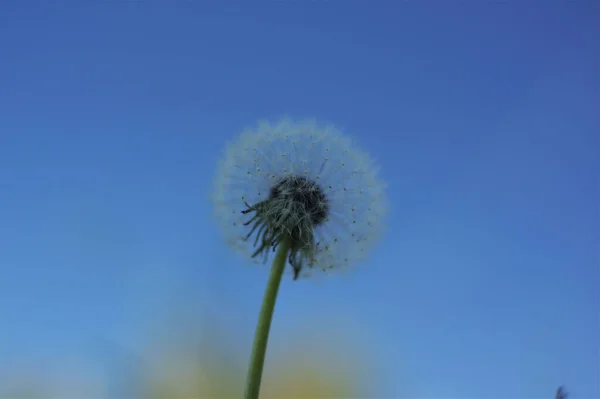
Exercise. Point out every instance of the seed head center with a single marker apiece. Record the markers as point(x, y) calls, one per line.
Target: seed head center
point(296, 205)
point(301, 198)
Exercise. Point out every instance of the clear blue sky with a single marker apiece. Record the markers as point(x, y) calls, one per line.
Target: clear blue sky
point(484, 118)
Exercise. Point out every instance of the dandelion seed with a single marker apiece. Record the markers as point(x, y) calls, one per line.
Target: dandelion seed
point(326, 175)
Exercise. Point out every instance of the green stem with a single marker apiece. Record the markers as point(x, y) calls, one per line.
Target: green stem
point(257, 360)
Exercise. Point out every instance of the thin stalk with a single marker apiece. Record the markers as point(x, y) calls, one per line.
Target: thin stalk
point(261, 337)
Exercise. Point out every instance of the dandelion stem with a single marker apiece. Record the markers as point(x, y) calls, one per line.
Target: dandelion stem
point(257, 360)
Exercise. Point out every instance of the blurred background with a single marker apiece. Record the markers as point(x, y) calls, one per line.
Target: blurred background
point(483, 115)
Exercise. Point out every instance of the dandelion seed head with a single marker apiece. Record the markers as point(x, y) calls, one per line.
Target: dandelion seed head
point(305, 180)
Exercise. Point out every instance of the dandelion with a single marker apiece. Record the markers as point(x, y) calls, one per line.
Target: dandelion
point(304, 191)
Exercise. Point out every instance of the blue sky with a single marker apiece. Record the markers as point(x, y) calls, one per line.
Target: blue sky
point(481, 115)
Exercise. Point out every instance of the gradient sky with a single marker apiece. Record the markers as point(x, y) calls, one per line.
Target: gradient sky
point(480, 113)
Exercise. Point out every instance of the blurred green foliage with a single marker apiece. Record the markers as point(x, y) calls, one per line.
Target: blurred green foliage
point(188, 362)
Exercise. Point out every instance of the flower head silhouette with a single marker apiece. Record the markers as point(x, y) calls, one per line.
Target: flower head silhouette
point(303, 180)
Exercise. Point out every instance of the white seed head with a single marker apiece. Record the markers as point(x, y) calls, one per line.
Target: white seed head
point(305, 180)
